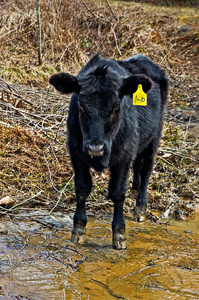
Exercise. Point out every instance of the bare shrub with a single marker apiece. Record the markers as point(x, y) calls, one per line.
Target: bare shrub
point(71, 32)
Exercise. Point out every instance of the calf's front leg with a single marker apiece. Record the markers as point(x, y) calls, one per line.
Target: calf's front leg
point(117, 191)
point(83, 184)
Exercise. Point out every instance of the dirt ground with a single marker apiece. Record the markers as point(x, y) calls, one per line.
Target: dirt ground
point(35, 169)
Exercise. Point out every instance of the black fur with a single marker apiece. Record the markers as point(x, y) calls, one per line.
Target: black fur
point(65, 83)
point(107, 131)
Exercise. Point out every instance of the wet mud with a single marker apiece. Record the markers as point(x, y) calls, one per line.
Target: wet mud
point(38, 261)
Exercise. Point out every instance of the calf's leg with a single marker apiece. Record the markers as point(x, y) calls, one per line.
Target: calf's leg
point(117, 191)
point(136, 173)
point(145, 169)
point(83, 184)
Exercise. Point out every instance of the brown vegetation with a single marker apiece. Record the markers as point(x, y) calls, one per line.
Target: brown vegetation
point(34, 163)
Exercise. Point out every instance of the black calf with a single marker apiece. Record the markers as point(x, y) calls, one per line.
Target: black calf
point(107, 131)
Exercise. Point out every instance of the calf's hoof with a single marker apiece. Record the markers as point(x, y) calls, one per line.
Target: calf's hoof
point(119, 241)
point(77, 236)
point(139, 214)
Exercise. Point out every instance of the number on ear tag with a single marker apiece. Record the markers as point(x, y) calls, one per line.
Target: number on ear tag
point(139, 97)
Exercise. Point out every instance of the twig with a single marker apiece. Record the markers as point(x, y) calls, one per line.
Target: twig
point(175, 154)
point(23, 112)
point(19, 204)
point(63, 263)
point(8, 33)
point(150, 286)
point(196, 195)
point(90, 11)
point(6, 124)
point(42, 223)
point(111, 10)
point(61, 193)
point(65, 247)
point(116, 42)
point(18, 230)
point(166, 161)
point(107, 288)
point(11, 88)
point(17, 37)
point(24, 245)
point(19, 11)
point(50, 174)
point(39, 31)
point(135, 272)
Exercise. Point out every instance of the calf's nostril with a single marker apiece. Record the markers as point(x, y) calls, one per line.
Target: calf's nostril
point(96, 149)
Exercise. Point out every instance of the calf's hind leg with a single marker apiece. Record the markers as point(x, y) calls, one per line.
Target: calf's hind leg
point(136, 173)
point(146, 161)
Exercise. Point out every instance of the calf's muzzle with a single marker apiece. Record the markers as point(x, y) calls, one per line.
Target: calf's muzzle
point(95, 149)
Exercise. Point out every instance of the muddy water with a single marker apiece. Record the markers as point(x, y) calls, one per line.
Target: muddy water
point(37, 260)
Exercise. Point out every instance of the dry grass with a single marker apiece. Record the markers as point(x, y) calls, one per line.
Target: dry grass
point(73, 31)
point(32, 146)
point(34, 162)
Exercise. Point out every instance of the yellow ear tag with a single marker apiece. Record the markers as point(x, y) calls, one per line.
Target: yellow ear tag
point(139, 97)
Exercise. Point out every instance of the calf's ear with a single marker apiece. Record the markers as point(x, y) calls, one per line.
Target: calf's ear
point(65, 83)
point(130, 84)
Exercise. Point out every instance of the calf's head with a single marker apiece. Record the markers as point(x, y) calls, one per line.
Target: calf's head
point(101, 88)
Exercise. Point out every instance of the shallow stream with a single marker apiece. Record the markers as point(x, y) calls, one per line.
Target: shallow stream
point(38, 261)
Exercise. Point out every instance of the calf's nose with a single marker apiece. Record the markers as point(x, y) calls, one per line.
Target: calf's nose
point(95, 149)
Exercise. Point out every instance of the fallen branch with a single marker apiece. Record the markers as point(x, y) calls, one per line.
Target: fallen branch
point(19, 204)
point(139, 271)
point(42, 223)
point(107, 288)
point(11, 89)
point(17, 37)
point(63, 263)
point(64, 247)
